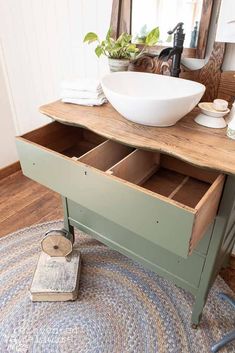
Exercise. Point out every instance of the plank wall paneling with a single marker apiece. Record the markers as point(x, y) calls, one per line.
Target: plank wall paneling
point(42, 43)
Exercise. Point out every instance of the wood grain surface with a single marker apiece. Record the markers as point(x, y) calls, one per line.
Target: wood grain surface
point(204, 26)
point(210, 74)
point(24, 203)
point(188, 141)
point(227, 86)
point(152, 64)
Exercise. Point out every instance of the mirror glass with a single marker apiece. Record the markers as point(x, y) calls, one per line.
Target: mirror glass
point(148, 14)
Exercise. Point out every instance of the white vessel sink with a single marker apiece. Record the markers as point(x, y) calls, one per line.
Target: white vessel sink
point(151, 99)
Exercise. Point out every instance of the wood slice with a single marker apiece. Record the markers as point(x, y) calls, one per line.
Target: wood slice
point(57, 243)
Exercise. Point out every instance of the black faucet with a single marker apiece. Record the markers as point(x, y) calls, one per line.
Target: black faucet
point(175, 52)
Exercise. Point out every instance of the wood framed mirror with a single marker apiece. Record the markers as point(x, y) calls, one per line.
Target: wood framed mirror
point(138, 16)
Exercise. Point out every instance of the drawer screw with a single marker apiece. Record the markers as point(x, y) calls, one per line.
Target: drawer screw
point(85, 173)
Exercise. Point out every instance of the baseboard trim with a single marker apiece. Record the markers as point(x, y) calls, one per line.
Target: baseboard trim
point(10, 169)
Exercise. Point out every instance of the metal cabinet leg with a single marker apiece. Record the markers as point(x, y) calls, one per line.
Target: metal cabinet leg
point(225, 340)
point(227, 298)
point(229, 337)
point(67, 225)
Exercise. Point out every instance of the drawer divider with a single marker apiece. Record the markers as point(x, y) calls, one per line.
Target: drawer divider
point(105, 155)
point(92, 151)
point(137, 167)
point(174, 192)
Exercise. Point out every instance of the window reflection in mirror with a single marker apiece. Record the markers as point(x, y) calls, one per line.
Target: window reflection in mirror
point(147, 14)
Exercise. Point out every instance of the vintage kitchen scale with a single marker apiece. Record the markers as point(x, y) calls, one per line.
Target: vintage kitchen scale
point(56, 277)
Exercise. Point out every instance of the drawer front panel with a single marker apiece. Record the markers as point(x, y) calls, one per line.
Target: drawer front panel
point(180, 270)
point(154, 219)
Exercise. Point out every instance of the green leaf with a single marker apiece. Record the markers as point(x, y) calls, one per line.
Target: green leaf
point(152, 37)
point(90, 37)
point(98, 51)
point(108, 34)
point(120, 38)
point(132, 48)
point(124, 38)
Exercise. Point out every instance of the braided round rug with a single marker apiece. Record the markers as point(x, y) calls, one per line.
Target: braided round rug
point(122, 307)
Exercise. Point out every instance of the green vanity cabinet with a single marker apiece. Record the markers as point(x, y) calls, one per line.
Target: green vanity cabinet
point(174, 218)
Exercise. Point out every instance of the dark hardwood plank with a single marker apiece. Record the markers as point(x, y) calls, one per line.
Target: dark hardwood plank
point(20, 200)
point(24, 202)
point(11, 185)
point(30, 214)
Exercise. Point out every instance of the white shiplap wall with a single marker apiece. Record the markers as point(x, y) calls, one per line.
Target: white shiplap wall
point(42, 44)
point(8, 152)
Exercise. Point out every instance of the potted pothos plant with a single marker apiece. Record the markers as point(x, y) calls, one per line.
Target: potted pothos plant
point(121, 51)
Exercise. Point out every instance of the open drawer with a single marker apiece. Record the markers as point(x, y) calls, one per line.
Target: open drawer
point(163, 200)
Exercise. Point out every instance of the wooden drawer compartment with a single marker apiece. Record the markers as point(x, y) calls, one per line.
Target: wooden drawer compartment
point(194, 189)
point(68, 140)
point(159, 198)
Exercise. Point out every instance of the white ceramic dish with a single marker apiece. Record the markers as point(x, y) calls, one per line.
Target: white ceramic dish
point(151, 99)
point(210, 121)
point(207, 108)
point(210, 117)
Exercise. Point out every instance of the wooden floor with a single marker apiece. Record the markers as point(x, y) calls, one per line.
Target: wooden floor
point(24, 202)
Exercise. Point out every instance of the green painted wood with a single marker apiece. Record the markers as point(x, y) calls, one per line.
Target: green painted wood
point(153, 219)
point(213, 261)
point(183, 272)
point(149, 230)
point(196, 274)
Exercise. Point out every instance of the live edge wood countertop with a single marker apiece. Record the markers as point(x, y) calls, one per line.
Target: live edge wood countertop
point(198, 145)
